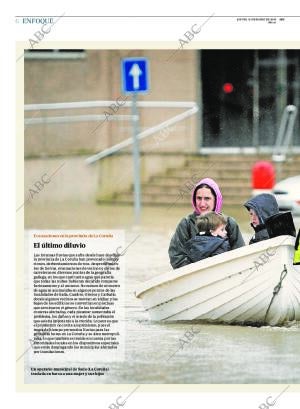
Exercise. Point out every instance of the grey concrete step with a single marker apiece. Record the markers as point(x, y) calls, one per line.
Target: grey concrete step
point(229, 175)
point(238, 158)
point(127, 197)
point(169, 180)
point(150, 188)
point(235, 165)
point(232, 173)
point(212, 172)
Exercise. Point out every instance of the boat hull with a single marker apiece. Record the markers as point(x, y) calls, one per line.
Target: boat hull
point(255, 284)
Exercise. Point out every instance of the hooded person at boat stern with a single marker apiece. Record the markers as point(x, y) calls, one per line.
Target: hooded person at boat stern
point(260, 208)
point(206, 197)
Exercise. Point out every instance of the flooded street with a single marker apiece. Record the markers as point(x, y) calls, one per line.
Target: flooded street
point(154, 352)
point(217, 354)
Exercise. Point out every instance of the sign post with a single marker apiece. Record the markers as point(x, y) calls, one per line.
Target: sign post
point(135, 80)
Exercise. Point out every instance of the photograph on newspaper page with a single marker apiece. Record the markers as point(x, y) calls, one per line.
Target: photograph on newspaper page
point(161, 214)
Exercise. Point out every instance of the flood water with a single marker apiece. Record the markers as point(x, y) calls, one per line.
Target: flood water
point(221, 354)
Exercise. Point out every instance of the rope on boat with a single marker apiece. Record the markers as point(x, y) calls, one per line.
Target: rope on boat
point(277, 288)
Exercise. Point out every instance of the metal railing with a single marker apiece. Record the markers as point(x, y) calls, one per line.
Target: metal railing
point(284, 140)
point(191, 109)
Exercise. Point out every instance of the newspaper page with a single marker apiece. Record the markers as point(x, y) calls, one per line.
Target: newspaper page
point(118, 137)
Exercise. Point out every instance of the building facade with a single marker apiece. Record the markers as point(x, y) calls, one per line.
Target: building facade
point(241, 96)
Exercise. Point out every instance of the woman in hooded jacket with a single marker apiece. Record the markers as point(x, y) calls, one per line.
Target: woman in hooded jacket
point(206, 197)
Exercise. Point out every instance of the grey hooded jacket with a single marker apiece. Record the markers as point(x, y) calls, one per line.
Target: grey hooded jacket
point(264, 205)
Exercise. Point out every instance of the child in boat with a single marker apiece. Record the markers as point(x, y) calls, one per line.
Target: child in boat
point(260, 208)
point(211, 238)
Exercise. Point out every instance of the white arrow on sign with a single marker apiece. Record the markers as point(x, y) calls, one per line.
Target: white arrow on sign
point(135, 72)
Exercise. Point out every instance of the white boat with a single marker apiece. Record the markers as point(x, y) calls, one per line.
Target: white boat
point(256, 284)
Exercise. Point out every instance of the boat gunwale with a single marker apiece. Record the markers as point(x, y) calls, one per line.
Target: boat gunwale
point(247, 250)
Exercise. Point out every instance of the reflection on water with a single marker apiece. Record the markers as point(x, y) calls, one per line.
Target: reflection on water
point(155, 352)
